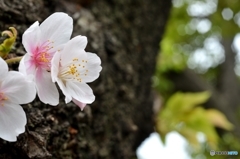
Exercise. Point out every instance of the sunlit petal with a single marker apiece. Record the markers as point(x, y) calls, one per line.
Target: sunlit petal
point(12, 121)
point(31, 37)
point(3, 68)
point(92, 68)
point(17, 88)
point(57, 27)
point(46, 89)
point(81, 92)
point(74, 49)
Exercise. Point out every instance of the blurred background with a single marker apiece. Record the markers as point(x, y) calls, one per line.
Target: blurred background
point(197, 82)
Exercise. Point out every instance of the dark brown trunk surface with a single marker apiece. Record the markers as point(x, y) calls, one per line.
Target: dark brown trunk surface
point(126, 35)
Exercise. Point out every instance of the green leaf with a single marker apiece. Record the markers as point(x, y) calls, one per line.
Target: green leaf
point(218, 119)
point(197, 120)
point(184, 102)
point(181, 114)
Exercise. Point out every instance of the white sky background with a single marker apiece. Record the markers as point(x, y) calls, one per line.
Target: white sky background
point(211, 55)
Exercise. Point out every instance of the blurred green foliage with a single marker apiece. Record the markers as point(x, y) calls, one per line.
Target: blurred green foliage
point(188, 31)
point(194, 25)
point(183, 113)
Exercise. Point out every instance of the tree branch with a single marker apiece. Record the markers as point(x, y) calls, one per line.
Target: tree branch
point(228, 83)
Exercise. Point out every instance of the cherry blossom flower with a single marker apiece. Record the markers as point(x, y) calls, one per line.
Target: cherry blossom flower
point(15, 89)
point(41, 43)
point(72, 68)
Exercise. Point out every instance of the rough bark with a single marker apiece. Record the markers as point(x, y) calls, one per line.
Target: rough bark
point(126, 35)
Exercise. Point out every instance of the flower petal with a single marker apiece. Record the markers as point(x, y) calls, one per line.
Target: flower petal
point(3, 68)
point(55, 66)
point(54, 74)
point(47, 90)
point(17, 88)
point(30, 37)
point(80, 104)
point(80, 42)
point(68, 96)
point(74, 48)
point(80, 91)
point(57, 27)
point(92, 68)
point(22, 67)
point(12, 121)
point(26, 66)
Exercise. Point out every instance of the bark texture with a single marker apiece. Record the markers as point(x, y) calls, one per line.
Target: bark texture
point(126, 35)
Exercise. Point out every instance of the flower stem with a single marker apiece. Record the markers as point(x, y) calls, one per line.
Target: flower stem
point(14, 60)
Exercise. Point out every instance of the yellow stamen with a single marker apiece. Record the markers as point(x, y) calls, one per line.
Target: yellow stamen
point(2, 98)
point(43, 57)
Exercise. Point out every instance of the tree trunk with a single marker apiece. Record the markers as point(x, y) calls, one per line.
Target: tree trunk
point(126, 35)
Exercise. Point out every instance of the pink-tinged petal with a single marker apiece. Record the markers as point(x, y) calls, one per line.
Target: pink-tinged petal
point(92, 68)
point(46, 89)
point(80, 104)
point(26, 65)
point(74, 49)
point(12, 121)
point(57, 27)
point(80, 91)
point(17, 88)
point(31, 37)
point(3, 68)
point(22, 69)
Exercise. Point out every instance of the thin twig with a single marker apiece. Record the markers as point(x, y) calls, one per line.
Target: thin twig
point(13, 60)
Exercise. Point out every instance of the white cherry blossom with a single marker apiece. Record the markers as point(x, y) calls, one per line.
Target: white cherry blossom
point(72, 68)
point(41, 43)
point(15, 89)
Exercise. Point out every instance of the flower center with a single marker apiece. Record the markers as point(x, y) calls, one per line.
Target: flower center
point(72, 69)
point(75, 70)
point(2, 98)
point(43, 55)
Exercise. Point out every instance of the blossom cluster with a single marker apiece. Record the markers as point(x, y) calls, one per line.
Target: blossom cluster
point(52, 57)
